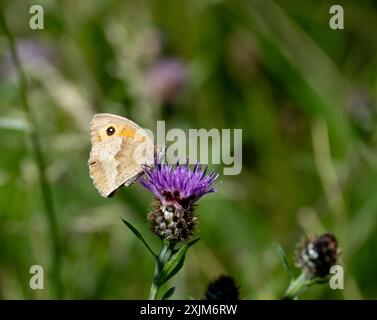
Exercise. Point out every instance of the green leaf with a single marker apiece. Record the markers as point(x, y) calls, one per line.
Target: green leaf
point(140, 237)
point(168, 293)
point(283, 259)
point(174, 264)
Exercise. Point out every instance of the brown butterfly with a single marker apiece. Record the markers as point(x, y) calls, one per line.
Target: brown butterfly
point(120, 148)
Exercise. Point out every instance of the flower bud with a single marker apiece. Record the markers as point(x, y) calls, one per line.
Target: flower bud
point(178, 224)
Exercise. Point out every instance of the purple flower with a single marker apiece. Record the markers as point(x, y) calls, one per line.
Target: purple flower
point(165, 79)
point(178, 183)
point(176, 189)
point(33, 55)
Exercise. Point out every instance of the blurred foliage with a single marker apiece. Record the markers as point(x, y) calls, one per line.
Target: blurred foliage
point(303, 94)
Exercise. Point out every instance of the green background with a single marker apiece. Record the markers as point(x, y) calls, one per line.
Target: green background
point(303, 94)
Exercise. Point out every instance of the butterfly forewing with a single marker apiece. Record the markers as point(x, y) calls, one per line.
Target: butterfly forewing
point(119, 149)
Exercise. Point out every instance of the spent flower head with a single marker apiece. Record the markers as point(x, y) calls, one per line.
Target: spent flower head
point(176, 190)
point(317, 255)
point(222, 288)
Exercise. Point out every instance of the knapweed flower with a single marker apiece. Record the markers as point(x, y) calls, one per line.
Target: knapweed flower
point(34, 56)
point(360, 107)
point(222, 288)
point(165, 79)
point(176, 190)
point(317, 255)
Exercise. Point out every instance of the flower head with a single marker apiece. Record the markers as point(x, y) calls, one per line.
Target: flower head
point(317, 255)
point(176, 190)
point(178, 185)
point(222, 288)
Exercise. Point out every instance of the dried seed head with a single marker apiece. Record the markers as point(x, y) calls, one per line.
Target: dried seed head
point(222, 288)
point(317, 255)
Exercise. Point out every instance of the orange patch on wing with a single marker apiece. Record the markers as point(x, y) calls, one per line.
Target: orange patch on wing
point(127, 132)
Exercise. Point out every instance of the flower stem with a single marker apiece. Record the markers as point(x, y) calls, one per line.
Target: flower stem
point(164, 256)
point(297, 286)
point(40, 161)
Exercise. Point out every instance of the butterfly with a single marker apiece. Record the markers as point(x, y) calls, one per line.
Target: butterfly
point(120, 150)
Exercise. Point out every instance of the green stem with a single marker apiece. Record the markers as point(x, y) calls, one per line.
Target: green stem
point(153, 291)
point(163, 258)
point(297, 286)
point(41, 163)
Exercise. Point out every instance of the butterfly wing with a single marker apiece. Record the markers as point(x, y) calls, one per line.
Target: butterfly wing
point(119, 149)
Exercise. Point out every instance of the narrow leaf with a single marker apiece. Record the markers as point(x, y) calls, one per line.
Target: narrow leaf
point(283, 259)
point(140, 237)
point(192, 242)
point(168, 293)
